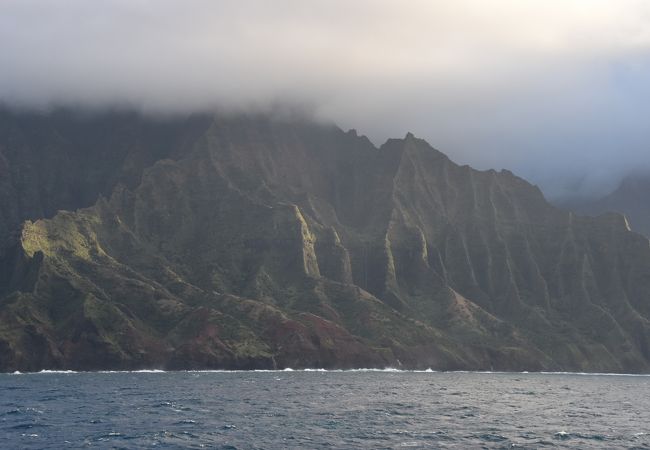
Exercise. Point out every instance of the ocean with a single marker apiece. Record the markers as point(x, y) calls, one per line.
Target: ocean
point(323, 409)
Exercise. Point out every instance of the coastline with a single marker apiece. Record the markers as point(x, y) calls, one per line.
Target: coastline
point(359, 370)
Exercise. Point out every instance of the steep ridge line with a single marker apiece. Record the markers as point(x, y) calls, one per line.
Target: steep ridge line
point(265, 243)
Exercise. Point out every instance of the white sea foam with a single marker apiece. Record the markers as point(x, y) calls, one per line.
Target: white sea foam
point(57, 371)
point(321, 370)
point(132, 371)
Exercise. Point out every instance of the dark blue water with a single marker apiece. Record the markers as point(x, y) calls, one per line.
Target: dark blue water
point(323, 410)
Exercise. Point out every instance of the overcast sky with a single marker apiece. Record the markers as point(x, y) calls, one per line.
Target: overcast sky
point(556, 90)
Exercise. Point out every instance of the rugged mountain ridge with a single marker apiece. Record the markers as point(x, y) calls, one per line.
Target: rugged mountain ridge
point(262, 243)
point(629, 198)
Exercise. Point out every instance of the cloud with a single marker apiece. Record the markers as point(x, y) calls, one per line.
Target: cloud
point(557, 90)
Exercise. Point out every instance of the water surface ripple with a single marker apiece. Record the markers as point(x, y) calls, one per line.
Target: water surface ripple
point(274, 410)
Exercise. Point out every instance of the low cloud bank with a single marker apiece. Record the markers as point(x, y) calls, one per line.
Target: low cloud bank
point(557, 91)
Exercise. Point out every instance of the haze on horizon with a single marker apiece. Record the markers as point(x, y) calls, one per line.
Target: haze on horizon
point(557, 91)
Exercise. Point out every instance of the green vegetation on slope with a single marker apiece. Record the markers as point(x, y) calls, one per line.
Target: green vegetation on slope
point(253, 243)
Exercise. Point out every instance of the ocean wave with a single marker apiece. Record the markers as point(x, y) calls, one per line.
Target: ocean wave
point(322, 370)
point(57, 371)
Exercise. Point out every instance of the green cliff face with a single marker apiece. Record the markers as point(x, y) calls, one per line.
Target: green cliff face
point(252, 243)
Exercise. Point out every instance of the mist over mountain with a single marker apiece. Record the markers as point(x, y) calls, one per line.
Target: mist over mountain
point(556, 91)
point(629, 198)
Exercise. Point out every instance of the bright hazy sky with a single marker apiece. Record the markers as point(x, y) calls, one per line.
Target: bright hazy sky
point(556, 90)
